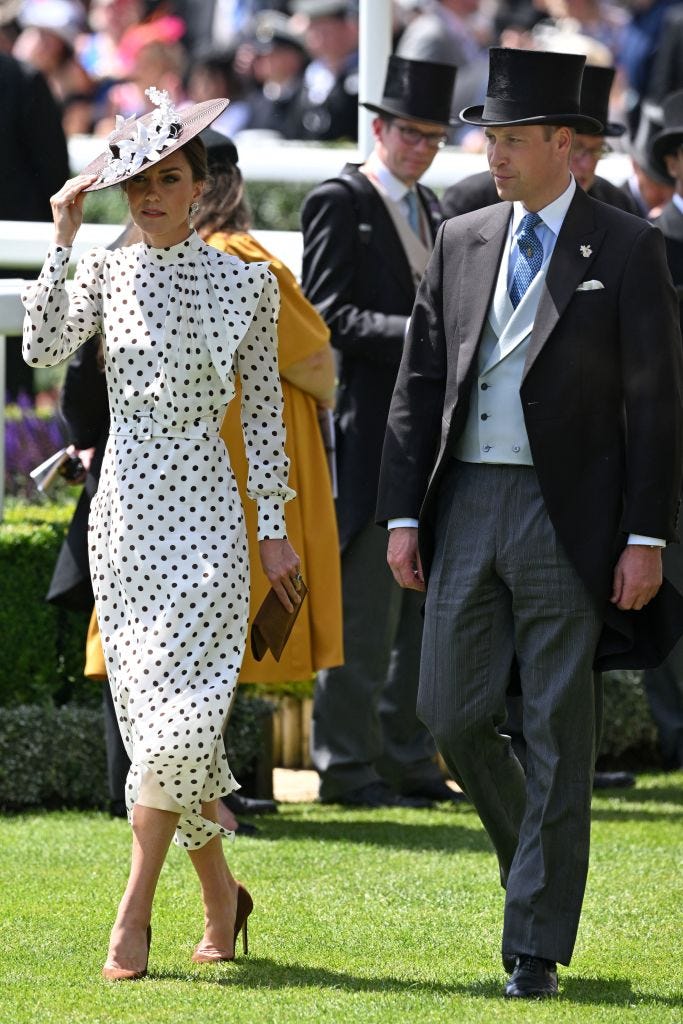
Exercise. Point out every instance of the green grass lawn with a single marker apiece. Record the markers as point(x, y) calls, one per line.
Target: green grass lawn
point(361, 916)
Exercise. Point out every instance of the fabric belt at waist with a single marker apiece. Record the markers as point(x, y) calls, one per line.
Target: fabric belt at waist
point(142, 426)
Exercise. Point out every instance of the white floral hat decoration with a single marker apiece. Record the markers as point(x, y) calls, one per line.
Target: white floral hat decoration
point(139, 141)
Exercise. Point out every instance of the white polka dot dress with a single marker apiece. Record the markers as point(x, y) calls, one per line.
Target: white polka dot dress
point(168, 551)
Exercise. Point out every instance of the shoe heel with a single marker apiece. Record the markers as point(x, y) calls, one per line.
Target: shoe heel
point(245, 938)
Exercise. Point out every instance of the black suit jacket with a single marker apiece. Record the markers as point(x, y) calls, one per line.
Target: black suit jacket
point(479, 190)
point(601, 393)
point(357, 275)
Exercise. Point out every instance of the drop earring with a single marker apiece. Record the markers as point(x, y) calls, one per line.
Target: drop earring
point(194, 210)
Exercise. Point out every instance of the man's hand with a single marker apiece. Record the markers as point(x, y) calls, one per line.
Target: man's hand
point(404, 558)
point(637, 577)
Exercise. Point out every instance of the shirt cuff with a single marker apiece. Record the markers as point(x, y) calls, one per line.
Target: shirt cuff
point(56, 260)
point(271, 517)
point(394, 524)
point(650, 542)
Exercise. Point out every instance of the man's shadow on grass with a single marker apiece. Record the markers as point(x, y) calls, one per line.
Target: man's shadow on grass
point(378, 831)
point(265, 973)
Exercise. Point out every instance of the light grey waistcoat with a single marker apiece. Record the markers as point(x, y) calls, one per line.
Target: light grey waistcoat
point(495, 429)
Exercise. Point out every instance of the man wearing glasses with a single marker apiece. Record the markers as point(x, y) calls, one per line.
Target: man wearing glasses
point(479, 190)
point(368, 235)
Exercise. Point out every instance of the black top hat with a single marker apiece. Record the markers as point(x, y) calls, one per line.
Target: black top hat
point(668, 140)
point(595, 89)
point(533, 87)
point(418, 90)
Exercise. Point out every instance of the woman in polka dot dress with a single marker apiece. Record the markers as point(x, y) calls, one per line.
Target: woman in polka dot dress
point(168, 548)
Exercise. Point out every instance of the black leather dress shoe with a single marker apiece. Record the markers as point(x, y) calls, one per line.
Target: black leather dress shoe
point(532, 978)
point(239, 804)
point(438, 792)
point(613, 780)
point(376, 794)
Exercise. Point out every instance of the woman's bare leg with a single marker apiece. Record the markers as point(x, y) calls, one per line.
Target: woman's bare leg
point(219, 890)
point(152, 834)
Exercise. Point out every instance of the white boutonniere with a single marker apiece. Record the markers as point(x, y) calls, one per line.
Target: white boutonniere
point(585, 251)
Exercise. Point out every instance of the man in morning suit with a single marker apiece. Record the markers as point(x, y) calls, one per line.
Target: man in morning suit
point(535, 432)
point(478, 190)
point(367, 238)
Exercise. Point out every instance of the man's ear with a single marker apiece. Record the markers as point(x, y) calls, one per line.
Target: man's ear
point(671, 161)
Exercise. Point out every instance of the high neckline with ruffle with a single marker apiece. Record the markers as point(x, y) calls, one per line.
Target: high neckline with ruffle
point(179, 253)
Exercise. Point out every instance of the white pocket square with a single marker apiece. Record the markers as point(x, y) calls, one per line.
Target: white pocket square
point(590, 286)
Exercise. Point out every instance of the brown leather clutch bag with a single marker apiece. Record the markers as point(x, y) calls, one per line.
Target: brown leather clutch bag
point(273, 623)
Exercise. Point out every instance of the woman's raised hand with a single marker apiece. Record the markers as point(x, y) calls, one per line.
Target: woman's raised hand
point(281, 565)
point(67, 208)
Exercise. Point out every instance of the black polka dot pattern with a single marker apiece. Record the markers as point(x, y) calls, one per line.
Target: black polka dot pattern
point(168, 551)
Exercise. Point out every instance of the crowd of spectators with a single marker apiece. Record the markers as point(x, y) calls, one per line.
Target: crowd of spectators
point(291, 66)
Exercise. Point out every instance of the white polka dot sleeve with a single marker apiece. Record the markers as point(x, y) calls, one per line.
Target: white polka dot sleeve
point(264, 432)
point(56, 323)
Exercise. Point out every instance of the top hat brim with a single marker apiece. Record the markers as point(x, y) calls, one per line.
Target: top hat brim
point(582, 124)
point(192, 121)
point(395, 112)
point(664, 142)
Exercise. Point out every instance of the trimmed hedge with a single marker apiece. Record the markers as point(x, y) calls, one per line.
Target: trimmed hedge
point(42, 646)
point(52, 757)
point(55, 756)
point(629, 734)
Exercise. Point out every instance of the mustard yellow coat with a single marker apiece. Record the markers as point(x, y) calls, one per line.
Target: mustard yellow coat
point(316, 640)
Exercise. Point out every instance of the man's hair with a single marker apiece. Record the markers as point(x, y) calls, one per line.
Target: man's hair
point(550, 129)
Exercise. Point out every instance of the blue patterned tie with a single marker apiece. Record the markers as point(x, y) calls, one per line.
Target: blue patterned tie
point(529, 258)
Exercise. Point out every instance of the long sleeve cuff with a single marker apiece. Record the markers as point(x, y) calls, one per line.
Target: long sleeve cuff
point(271, 516)
point(650, 542)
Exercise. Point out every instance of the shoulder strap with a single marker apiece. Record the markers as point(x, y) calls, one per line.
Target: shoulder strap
point(357, 187)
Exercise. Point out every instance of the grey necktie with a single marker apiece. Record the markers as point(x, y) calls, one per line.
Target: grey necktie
point(410, 202)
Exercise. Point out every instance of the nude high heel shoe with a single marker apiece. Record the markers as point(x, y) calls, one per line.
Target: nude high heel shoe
point(211, 955)
point(122, 973)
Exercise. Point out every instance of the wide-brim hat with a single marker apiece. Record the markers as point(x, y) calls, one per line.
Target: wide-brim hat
point(670, 138)
point(418, 90)
point(596, 86)
point(533, 87)
point(138, 142)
